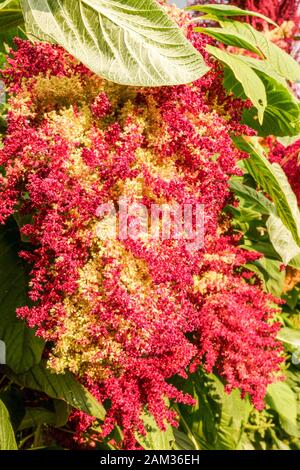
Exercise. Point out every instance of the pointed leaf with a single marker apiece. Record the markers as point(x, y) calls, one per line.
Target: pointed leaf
point(253, 87)
point(282, 239)
point(132, 42)
point(155, 439)
point(291, 340)
point(62, 386)
point(228, 37)
point(37, 416)
point(282, 114)
point(274, 182)
point(222, 11)
point(270, 273)
point(281, 62)
point(295, 262)
point(23, 348)
point(182, 441)
point(265, 67)
point(281, 398)
point(216, 420)
point(7, 437)
point(265, 206)
point(11, 15)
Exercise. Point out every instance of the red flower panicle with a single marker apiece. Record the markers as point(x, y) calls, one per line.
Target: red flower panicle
point(126, 315)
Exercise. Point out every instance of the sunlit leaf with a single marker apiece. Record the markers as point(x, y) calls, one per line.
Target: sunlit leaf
point(7, 437)
point(132, 42)
point(223, 11)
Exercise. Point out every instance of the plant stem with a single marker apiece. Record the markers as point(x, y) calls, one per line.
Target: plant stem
point(37, 436)
point(189, 433)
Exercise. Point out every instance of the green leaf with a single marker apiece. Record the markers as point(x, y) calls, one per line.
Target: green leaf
point(233, 414)
point(274, 182)
point(295, 262)
point(263, 247)
point(245, 443)
point(13, 399)
point(291, 340)
point(7, 38)
point(11, 15)
point(222, 11)
point(270, 273)
point(282, 114)
point(281, 62)
point(62, 412)
point(216, 421)
point(257, 198)
point(281, 398)
point(7, 437)
point(36, 416)
point(231, 84)
point(265, 67)
point(182, 441)
point(228, 37)
point(125, 41)
point(280, 236)
point(155, 438)
point(287, 141)
point(277, 105)
point(282, 239)
point(293, 378)
point(61, 386)
point(23, 348)
point(253, 87)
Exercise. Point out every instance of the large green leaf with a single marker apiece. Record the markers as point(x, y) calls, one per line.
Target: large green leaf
point(265, 67)
point(252, 85)
point(281, 398)
point(11, 15)
point(23, 348)
point(223, 11)
point(35, 416)
point(7, 437)
point(216, 421)
point(282, 114)
point(287, 141)
point(282, 239)
point(257, 198)
point(270, 273)
point(291, 340)
point(155, 439)
point(228, 37)
point(278, 110)
point(273, 181)
point(280, 236)
point(132, 42)
point(295, 262)
point(281, 62)
point(62, 386)
point(11, 22)
point(182, 441)
point(234, 412)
